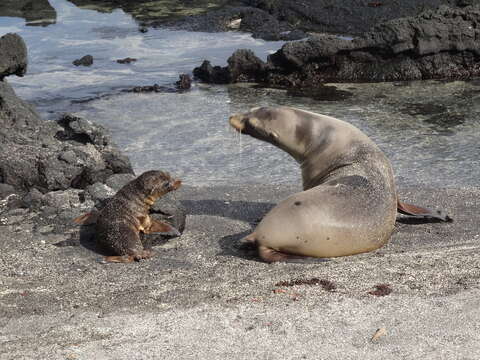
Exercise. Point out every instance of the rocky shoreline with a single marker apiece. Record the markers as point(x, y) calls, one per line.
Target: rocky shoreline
point(57, 169)
point(442, 43)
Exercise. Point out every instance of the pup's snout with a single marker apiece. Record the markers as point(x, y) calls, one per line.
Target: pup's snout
point(174, 185)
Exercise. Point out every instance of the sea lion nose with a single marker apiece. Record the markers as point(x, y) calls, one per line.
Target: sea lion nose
point(237, 122)
point(175, 184)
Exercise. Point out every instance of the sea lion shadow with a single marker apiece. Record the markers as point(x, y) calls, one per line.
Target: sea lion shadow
point(247, 211)
point(85, 237)
point(411, 220)
point(230, 245)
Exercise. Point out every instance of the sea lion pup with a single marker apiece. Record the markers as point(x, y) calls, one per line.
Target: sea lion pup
point(349, 203)
point(126, 214)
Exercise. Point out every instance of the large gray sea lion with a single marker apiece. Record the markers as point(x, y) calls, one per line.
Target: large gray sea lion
point(349, 203)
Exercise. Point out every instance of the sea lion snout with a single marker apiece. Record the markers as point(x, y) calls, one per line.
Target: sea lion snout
point(175, 184)
point(237, 121)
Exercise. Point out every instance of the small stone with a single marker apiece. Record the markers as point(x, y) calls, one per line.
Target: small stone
point(86, 60)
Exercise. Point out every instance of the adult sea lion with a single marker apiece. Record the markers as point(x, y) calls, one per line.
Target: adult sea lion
point(120, 221)
point(349, 203)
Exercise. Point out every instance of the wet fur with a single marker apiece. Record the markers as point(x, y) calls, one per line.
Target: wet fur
point(119, 223)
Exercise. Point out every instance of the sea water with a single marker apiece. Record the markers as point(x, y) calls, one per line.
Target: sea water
point(428, 129)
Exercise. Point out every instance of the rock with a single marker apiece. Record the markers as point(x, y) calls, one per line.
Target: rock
point(117, 181)
point(98, 192)
point(212, 74)
point(13, 58)
point(184, 82)
point(127, 60)
point(86, 60)
point(5, 190)
point(436, 44)
point(62, 199)
point(51, 155)
point(35, 12)
point(33, 199)
point(168, 209)
point(243, 18)
point(343, 17)
point(244, 66)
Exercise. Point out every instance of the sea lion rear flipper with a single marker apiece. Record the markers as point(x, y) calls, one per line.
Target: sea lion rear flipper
point(270, 255)
point(417, 211)
point(87, 219)
point(158, 226)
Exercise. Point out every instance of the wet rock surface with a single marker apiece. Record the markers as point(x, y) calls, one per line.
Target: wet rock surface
point(248, 19)
point(127, 60)
point(49, 155)
point(13, 58)
point(435, 44)
point(35, 12)
point(86, 60)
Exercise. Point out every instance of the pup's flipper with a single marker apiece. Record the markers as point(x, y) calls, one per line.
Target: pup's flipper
point(158, 226)
point(87, 219)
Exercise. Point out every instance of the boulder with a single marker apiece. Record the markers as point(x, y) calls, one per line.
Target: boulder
point(435, 44)
point(13, 55)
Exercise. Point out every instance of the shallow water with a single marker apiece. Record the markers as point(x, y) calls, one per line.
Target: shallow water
point(430, 130)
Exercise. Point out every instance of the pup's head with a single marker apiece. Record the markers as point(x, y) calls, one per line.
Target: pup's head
point(156, 183)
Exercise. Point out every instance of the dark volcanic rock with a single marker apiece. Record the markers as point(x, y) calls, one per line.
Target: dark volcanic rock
point(212, 74)
point(49, 155)
point(343, 17)
point(35, 12)
point(86, 60)
point(243, 66)
point(184, 82)
point(127, 60)
point(13, 56)
point(436, 44)
point(243, 18)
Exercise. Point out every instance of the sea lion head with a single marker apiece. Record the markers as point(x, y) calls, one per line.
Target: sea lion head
point(155, 183)
point(278, 126)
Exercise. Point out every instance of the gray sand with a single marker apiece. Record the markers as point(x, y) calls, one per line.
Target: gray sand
point(205, 297)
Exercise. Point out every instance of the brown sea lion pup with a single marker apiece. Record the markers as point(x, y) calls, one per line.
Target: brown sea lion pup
point(119, 223)
point(349, 203)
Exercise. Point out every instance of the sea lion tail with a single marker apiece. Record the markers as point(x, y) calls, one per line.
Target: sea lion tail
point(421, 212)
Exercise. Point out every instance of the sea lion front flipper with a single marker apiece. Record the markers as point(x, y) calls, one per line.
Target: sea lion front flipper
point(417, 211)
point(158, 226)
point(87, 219)
point(270, 255)
point(119, 259)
